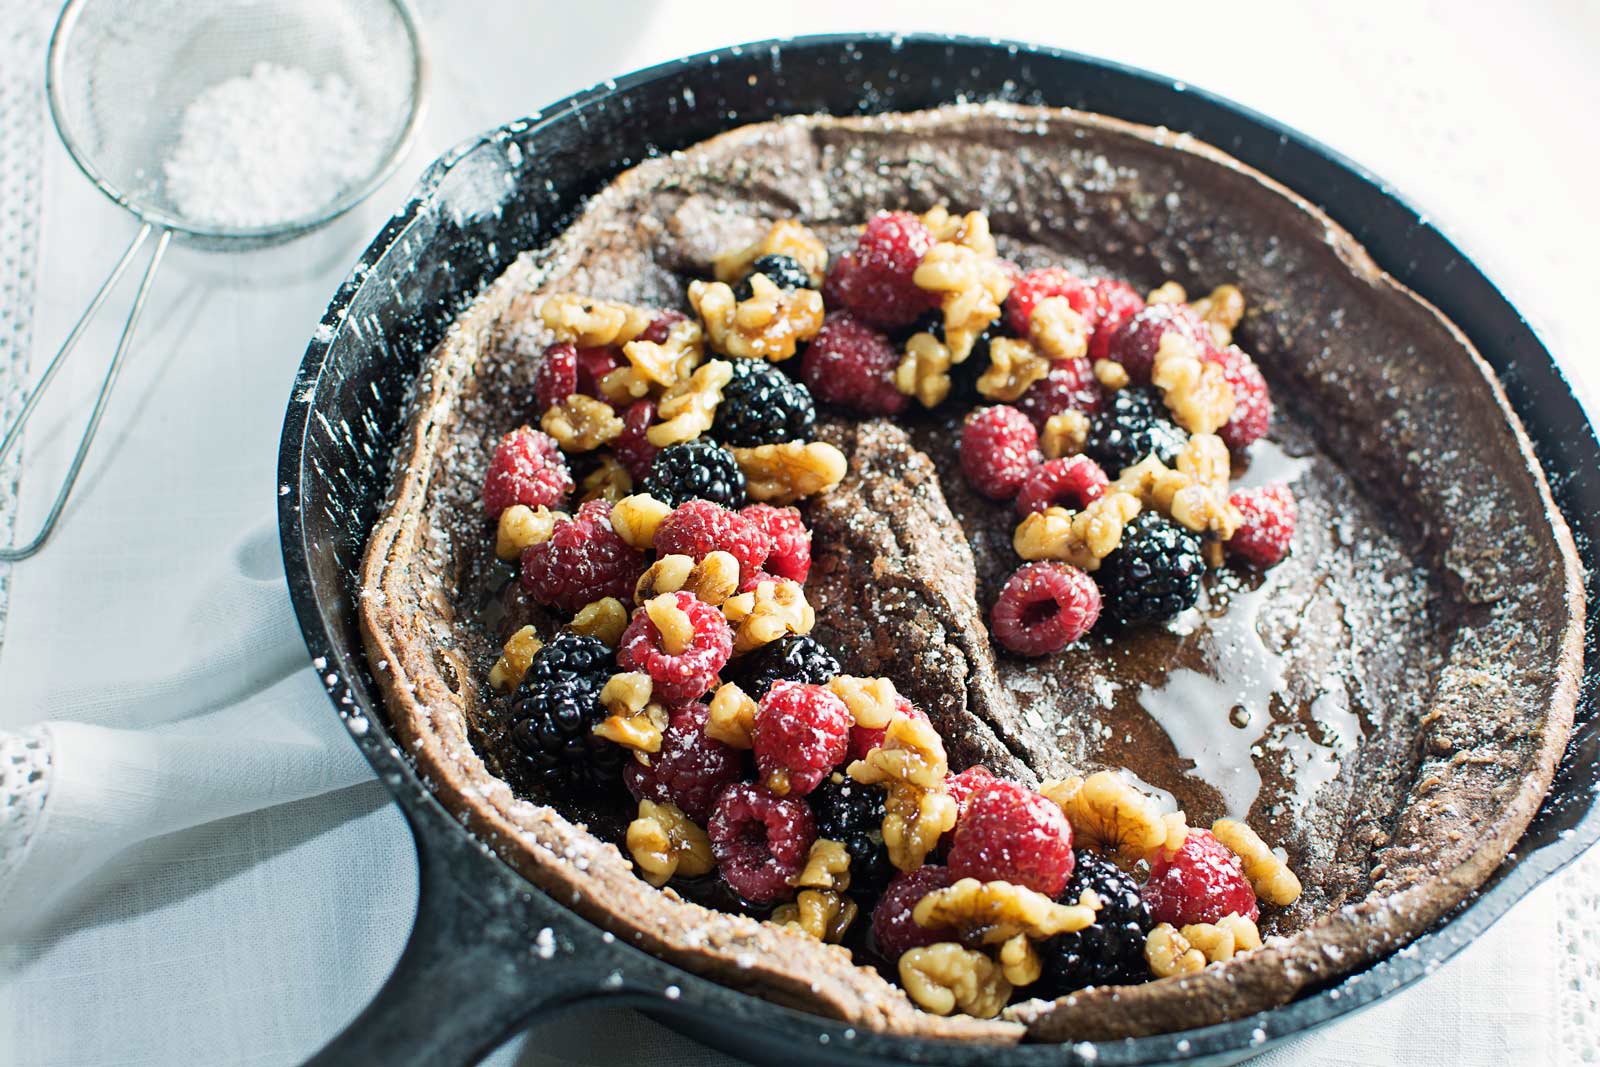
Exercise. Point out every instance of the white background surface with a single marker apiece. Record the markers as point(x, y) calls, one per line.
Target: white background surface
point(252, 940)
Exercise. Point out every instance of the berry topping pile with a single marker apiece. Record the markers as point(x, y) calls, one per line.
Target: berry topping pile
point(651, 523)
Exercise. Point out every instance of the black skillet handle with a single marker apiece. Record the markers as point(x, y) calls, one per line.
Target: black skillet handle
point(487, 953)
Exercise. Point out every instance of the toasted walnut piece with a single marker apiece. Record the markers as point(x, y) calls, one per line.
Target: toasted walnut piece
point(1177, 829)
point(665, 842)
point(827, 867)
point(593, 323)
point(820, 913)
point(911, 752)
point(993, 912)
point(767, 613)
point(872, 701)
point(914, 820)
point(946, 977)
point(605, 619)
point(784, 473)
point(689, 407)
point(521, 526)
point(1246, 935)
point(784, 238)
point(1221, 941)
point(1019, 961)
point(610, 481)
point(623, 386)
point(1269, 876)
point(1195, 495)
point(1110, 374)
point(656, 365)
point(581, 423)
point(971, 229)
point(1064, 434)
point(714, 579)
point(1109, 815)
point(1081, 538)
point(1168, 292)
point(1196, 391)
point(635, 518)
point(972, 286)
point(635, 721)
point(515, 657)
point(1058, 331)
point(733, 716)
point(1170, 954)
point(1221, 310)
point(1204, 457)
point(672, 622)
point(667, 574)
point(767, 325)
point(1212, 553)
point(1013, 367)
point(924, 370)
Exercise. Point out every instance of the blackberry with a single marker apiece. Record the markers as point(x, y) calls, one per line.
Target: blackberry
point(795, 658)
point(1111, 952)
point(1154, 573)
point(852, 814)
point(569, 655)
point(1132, 426)
point(964, 375)
point(763, 406)
point(696, 470)
point(783, 271)
point(553, 727)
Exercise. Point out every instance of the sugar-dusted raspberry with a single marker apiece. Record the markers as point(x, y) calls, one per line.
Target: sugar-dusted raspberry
point(760, 841)
point(1135, 342)
point(801, 733)
point(557, 376)
point(583, 561)
point(999, 446)
point(634, 450)
point(690, 768)
point(1009, 833)
point(1071, 482)
point(1269, 514)
point(698, 528)
point(750, 581)
point(1200, 882)
point(1252, 401)
point(864, 739)
point(791, 541)
point(852, 365)
point(661, 325)
point(873, 281)
point(527, 468)
point(683, 676)
point(1115, 302)
point(1037, 285)
point(1044, 607)
point(1070, 386)
point(970, 782)
point(894, 929)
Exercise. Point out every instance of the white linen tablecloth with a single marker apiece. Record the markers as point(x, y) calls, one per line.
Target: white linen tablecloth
point(246, 908)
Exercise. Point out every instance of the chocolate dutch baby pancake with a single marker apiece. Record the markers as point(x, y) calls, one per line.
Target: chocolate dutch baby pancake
point(995, 572)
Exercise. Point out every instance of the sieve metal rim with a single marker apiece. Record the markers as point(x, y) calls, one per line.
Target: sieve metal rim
point(54, 79)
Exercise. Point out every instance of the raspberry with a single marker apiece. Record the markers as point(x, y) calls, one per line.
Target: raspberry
point(1009, 833)
point(751, 580)
point(1070, 386)
point(1135, 342)
point(852, 814)
point(1115, 303)
point(698, 528)
point(801, 733)
point(553, 729)
point(557, 376)
point(873, 281)
point(760, 840)
point(690, 768)
point(894, 930)
point(1110, 952)
point(968, 783)
point(791, 541)
point(1134, 426)
point(661, 325)
point(864, 739)
point(634, 450)
point(527, 468)
point(999, 446)
point(1072, 482)
point(682, 676)
point(1154, 573)
point(594, 364)
point(1268, 528)
point(852, 365)
point(696, 470)
point(1037, 285)
point(761, 405)
point(783, 271)
point(1199, 883)
point(1252, 402)
point(583, 561)
point(792, 658)
point(1044, 607)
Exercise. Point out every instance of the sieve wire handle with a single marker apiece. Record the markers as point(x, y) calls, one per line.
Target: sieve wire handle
point(14, 433)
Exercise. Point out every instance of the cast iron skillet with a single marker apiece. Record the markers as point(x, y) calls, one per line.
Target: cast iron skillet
point(489, 951)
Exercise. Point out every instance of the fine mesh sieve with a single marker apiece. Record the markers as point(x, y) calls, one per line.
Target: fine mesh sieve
point(121, 74)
